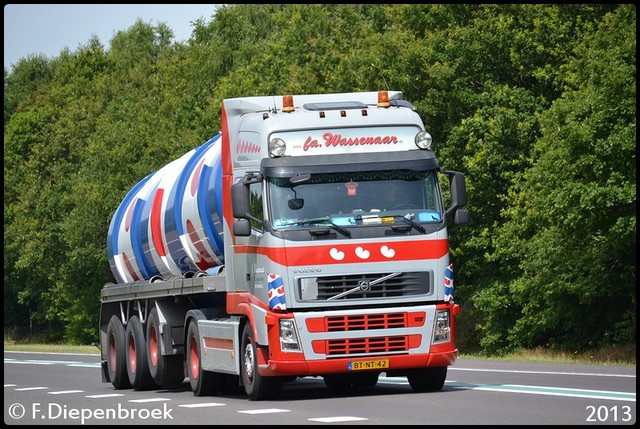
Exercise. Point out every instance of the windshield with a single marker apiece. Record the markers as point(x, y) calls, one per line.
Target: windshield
point(355, 199)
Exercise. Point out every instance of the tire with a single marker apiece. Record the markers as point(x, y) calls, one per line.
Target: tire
point(203, 383)
point(427, 379)
point(116, 354)
point(167, 370)
point(137, 366)
point(257, 387)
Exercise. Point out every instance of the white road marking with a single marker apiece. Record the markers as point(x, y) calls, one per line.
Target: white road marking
point(142, 401)
point(202, 405)
point(337, 419)
point(265, 411)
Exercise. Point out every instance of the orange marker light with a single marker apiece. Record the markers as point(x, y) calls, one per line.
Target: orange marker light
point(383, 99)
point(287, 103)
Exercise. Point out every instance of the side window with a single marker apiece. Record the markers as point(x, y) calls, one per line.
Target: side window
point(255, 205)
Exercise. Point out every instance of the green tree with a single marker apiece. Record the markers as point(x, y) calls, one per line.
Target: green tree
point(570, 222)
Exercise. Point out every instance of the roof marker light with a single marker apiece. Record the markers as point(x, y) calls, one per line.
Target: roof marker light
point(383, 99)
point(287, 103)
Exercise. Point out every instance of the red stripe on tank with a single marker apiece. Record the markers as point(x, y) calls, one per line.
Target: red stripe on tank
point(156, 225)
point(127, 219)
point(196, 178)
point(129, 267)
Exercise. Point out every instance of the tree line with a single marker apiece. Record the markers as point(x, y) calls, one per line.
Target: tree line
point(535, 103)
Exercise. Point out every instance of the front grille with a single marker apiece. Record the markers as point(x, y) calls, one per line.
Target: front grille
point(360, 324)
point(367, 345)
point(365, 321)
point(405, 284)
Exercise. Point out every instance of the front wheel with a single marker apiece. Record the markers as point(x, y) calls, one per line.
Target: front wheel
point(427, 379)
point(203, 383)
point(256, 386)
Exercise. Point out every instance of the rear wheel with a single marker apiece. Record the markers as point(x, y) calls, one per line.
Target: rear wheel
point(137, 366)
point(427, 379)
point(166, 370)
point(116, 354)
point(203, 383)
point(256, 386)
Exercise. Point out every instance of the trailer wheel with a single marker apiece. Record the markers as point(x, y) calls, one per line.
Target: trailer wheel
point(165, 370)
point(203, 383)
point(256, 386)
point(116, 355)
point(137, 367)
point(427, 379)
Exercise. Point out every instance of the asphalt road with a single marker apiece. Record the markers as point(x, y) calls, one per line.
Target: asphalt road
point(66, 389)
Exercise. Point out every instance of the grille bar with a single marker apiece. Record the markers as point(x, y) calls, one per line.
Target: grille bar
point(367, 345)
point(405, 284)
point(365, 322)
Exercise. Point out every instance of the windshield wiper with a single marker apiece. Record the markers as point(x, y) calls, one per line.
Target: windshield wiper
point(325, 219)
point(413, 223)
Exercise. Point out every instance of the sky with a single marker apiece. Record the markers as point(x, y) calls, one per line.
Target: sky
point(31, 29)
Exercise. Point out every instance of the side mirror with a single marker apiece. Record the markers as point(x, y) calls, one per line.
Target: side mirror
point(461, 217)
point(296, 203)
point(240, 200)
point(458, 190)
point(458, 196)
point(242, 227)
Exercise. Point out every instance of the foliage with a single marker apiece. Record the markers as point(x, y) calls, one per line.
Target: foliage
point(534, 103)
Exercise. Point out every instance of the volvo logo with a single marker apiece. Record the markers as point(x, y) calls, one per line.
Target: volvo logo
point(364, 285)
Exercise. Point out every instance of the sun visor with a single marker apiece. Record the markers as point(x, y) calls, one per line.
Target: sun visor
point(416, 160)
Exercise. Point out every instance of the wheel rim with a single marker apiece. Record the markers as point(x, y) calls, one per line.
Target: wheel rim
point(112, 353)
point(153, 347)
point(194, 360)
point(248, 361)
point(132, 354)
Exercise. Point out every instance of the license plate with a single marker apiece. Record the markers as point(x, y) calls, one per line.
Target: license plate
point(368, 364)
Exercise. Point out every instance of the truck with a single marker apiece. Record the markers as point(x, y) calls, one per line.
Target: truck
point(308, 238)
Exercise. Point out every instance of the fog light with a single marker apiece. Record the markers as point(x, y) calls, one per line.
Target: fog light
point(277, 147)
point(423, 140)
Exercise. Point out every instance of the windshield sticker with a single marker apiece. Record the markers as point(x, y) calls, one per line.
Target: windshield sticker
point(351, 187)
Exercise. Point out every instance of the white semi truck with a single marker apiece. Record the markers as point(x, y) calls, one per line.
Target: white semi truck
point(307, 238)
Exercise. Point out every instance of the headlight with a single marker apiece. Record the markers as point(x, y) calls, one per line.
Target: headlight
point(442, 328)
point(288, 335)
